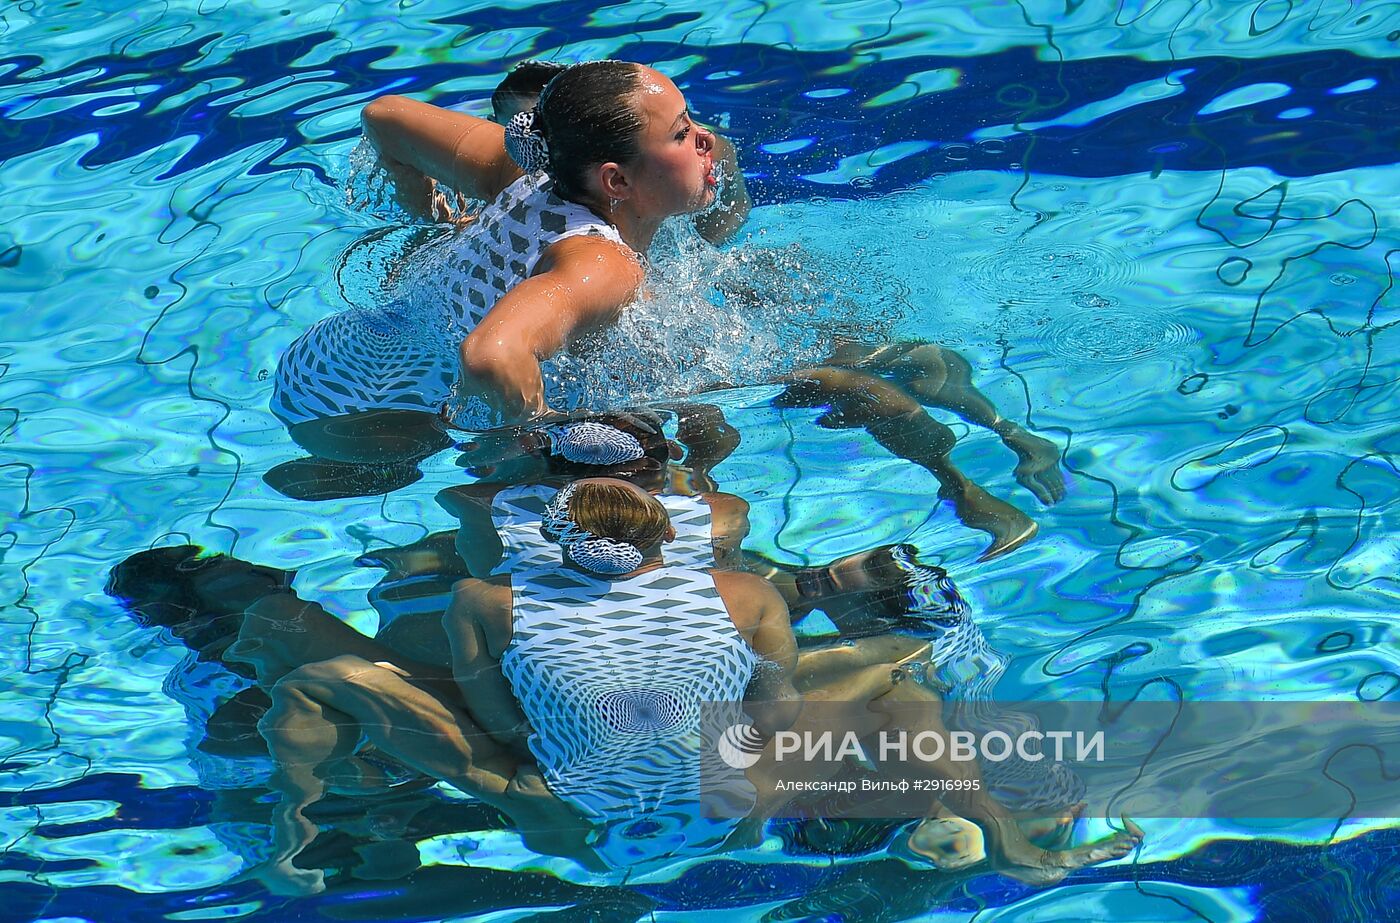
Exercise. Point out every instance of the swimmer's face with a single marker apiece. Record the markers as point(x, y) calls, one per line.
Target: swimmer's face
point(674, 172)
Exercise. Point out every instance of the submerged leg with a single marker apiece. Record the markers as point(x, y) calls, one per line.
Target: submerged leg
point(897, 421)
point(942, 378)
point(321, 711)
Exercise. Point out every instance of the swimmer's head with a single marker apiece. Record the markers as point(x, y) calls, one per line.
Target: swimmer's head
point(613, 134)
point(627, 444)
point(520, 90)
point(607, 525)
point(198, 597)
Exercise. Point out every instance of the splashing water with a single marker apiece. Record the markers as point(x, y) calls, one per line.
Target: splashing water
point(742, 316)
point(707, 318)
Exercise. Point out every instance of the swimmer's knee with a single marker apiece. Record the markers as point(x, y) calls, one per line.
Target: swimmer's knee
point(915, 429)
point(344, 668)
point(855, 394)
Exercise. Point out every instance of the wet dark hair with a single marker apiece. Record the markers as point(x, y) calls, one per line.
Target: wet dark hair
point(588, 115)
point(527, 79)
point(157, 586)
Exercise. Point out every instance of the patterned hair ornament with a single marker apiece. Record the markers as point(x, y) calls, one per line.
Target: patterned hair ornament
point(525, 142)
point(592, 443)
point(599, 555)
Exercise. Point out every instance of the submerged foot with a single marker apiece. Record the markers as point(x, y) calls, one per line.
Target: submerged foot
point(948, 842)
point(1047, 867)
point(1009, 527)
point(1039, 467)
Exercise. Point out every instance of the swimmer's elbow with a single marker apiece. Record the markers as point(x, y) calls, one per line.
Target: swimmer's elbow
point(484, 360)
point(380, 113)
point(777, 714)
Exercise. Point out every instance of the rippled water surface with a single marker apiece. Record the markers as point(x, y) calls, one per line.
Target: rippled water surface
point(1163, 233)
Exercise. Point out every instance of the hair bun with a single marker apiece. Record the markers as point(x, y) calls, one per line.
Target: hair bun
point(525, 143)
point(605, 556)
point(592, 443)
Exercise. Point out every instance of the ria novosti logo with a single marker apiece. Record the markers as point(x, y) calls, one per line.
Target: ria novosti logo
point(740, 746)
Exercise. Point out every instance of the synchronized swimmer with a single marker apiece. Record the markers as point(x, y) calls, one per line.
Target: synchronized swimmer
point(561, 674)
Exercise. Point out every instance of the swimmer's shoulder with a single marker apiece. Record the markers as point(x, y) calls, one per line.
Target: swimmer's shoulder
point(748, 597)
point(589, 254)
point(726, 507)
point(487, 603)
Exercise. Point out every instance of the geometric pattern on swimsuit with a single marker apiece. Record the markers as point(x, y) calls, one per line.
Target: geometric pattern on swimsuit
point(517, 513)
point(611, 676)
point(403, 355)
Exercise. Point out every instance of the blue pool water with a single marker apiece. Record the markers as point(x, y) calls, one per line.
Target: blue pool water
point(1163, 233)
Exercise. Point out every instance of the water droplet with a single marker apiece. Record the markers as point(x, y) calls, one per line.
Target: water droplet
point(1341, 278)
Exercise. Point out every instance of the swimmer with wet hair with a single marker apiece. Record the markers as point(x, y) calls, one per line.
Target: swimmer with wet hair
point(578, 187)
point(575, 194)
point(520, 90)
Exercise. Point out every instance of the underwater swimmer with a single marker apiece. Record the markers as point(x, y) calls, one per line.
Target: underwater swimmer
point(881, 601)
point(538, 651)
point(341, 702)
point(341, 688)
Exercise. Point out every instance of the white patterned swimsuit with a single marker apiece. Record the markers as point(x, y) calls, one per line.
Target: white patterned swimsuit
point(611, 675)
point(404, 356)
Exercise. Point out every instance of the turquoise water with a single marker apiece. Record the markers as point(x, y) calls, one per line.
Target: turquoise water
point(1162, 233)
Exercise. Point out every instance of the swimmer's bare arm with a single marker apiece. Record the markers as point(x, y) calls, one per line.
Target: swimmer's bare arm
point(761, 616)
point(721, 222)
point(777, 706)
point(478, 543)
point(579, 284)
point(477, 624)
point(464, 152)
point(729, 525)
